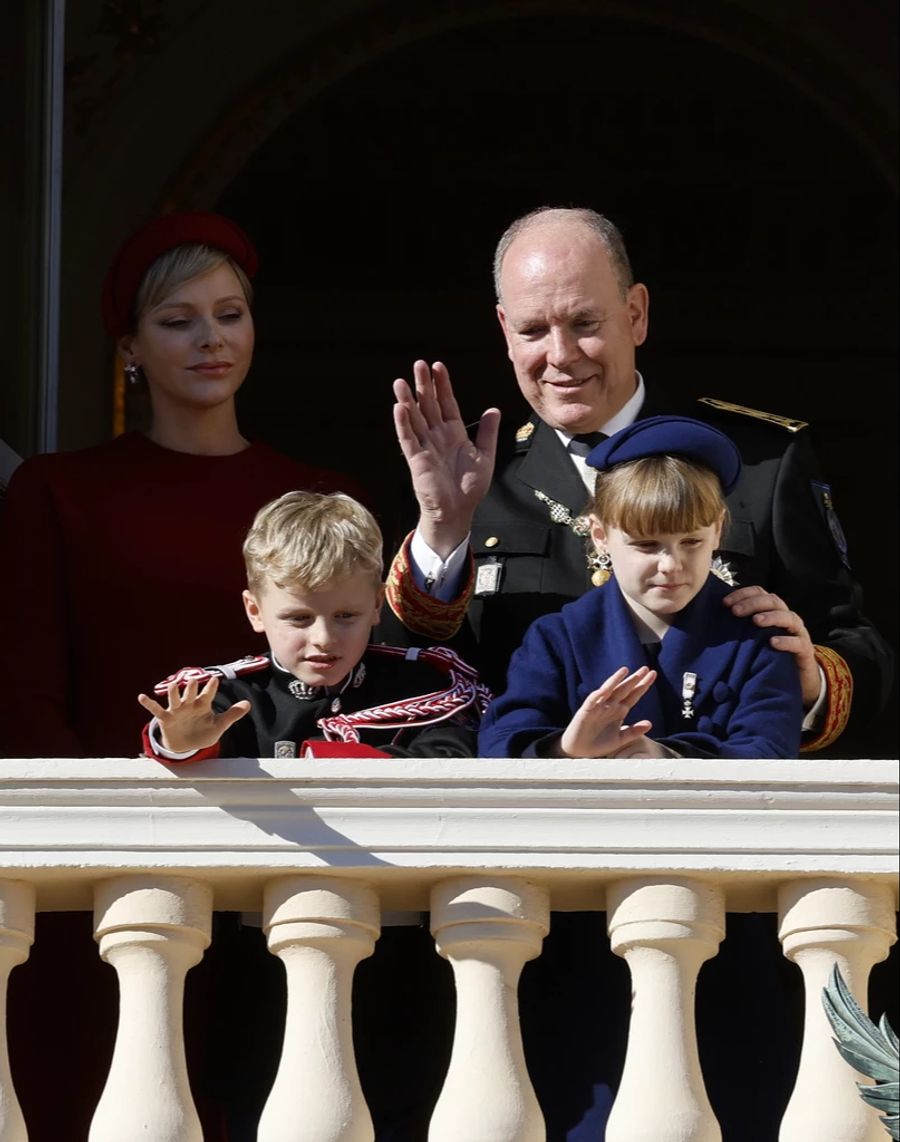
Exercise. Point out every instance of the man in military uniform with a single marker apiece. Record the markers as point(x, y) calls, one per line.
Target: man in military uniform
point(573, 316)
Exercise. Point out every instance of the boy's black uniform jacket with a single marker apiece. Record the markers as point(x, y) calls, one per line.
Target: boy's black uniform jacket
point(408, 703)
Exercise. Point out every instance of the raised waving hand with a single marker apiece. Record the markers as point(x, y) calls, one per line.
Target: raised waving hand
point(189, 722)
point(450, 473)
point(598, 729)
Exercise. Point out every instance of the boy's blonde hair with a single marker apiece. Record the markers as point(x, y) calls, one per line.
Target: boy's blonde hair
point(310, 539)
point(658, 495)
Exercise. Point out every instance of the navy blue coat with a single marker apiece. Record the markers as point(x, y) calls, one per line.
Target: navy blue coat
point(747, 701)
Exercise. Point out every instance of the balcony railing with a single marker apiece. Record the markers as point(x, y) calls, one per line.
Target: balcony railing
point(323, 848)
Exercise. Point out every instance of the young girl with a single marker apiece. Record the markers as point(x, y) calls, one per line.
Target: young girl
point(678, 673)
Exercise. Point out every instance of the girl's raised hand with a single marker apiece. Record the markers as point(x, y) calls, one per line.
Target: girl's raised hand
point(598, 729)
point(190, 722)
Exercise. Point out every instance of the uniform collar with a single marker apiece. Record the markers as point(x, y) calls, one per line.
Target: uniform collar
point(307, 693)
point(626, 415)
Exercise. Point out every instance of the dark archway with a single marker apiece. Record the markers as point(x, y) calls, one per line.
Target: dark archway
point(766, 235)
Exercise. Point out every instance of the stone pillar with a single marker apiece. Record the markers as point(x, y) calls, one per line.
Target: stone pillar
point(16, 937)
point(320, 928)
point(488, 929)
point(824, 922)
point(152, 929)
point(665, 930)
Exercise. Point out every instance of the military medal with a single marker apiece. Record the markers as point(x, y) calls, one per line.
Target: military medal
point(487, 578)
point(688, 690)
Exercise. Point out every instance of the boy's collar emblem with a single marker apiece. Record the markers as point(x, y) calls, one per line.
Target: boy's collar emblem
point(303, 692)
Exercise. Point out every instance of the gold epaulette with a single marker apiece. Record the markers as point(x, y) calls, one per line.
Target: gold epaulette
point(786, 422)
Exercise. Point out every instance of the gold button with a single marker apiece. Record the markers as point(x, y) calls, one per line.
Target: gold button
point(491, 541)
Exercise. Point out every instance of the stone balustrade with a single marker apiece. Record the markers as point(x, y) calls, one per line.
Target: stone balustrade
point(323, 848)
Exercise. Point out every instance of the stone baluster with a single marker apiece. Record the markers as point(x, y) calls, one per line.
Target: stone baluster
point(824, 922)
point(320, 928)
point(16, 937)
point(487, 929)
point(152, 929)
point(665, 930)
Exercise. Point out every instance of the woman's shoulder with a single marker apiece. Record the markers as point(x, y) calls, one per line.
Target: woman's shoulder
point(295, 473)
point(51, 467)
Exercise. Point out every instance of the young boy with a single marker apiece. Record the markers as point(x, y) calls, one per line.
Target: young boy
point(654, 643)
point(314, 567)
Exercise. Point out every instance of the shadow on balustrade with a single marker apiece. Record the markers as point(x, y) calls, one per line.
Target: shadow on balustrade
point(289, 816)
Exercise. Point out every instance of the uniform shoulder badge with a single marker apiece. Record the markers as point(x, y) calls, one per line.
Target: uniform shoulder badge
point(822, 492)
point(249, 664)
point(786, 422)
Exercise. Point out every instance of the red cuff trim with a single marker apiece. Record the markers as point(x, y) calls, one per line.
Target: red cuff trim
point(839, 684)
point(419, 612)
point(150, 751)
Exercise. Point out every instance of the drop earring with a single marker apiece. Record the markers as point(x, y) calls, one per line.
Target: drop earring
point(600, 567)
point(133, 372)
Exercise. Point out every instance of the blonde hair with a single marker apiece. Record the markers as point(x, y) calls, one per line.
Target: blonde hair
point(179, 265)
point(310, 539)
point(658, 495)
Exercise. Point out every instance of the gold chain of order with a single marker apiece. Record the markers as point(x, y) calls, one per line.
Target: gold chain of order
point(559, 513)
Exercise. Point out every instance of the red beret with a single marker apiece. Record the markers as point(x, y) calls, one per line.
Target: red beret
point(158, 236)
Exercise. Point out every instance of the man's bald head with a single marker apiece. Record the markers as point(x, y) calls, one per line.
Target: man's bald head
point(578, 218)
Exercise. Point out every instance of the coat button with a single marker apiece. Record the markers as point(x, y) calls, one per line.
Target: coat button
point(491, 541)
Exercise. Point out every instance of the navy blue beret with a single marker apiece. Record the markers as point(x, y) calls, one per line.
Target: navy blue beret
point(671, 436)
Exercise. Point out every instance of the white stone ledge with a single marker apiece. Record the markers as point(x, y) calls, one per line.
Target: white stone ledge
point(404, 824)
point(806, 774)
